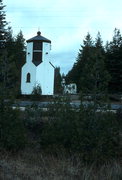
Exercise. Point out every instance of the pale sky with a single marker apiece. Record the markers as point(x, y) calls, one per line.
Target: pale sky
point(65, 23)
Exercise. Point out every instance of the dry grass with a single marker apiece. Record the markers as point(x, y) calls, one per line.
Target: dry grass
point(30, 165)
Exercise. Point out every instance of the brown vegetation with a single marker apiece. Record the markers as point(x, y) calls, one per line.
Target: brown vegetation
point(33, 165)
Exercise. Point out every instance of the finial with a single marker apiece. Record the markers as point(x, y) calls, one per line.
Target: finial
point(38, 33)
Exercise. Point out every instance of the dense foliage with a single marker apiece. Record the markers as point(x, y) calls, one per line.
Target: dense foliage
point(3, 23)
point(94, 62)
point(57, 81)
point(12, 130)
point(36, 93)
point(12, 56)
point(114, 62)
point(94, 135)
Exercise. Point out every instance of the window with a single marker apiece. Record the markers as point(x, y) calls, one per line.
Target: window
point(37, 58)
point(28, 78)
point(37, 46)
point(37, 53)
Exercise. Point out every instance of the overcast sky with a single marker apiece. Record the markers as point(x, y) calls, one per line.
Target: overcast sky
point(65, 23)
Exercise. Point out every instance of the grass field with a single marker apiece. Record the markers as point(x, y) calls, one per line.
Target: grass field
point(34, 165)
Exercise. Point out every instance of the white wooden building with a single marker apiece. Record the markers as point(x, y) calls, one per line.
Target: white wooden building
point(69, 88)
point(38, 69)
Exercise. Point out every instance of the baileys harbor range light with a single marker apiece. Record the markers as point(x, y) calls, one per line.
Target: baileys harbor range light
point(38, 69)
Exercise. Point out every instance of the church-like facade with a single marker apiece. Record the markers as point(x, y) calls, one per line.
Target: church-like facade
point(38, 70)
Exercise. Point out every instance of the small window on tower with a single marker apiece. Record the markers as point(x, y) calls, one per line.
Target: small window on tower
point(37, 46)
point(28, 78)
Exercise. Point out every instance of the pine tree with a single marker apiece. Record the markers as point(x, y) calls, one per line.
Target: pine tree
point(114, 62)
point(84, 54)
point(19, 56)
point(57, 81)
point(3, 53)
point(89, 71)
point(99, 43)
point(10, 42)
point(3, 24)
point(7, 65)
point(20, 50)
point(15, 48)
point(94, 78)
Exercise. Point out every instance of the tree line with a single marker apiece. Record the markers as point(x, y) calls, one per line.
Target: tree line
point(12, 56)
point(96, 62)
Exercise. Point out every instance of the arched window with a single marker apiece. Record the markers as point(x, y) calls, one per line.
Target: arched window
point(28, 78)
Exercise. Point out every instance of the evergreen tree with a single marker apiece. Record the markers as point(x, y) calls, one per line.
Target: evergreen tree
point(19, 50)
point(114, 62)
point(89, 72)
point(12, 130)
point(84, 56)
point(8, 70)
point(10, 43)
point(12, 69)
point(94, 79)
point(12, 55)
point(16, 57)
point(3, 52)
point(94, 76)
point(99, 43)
point(3, 24)
point(19, 57)
point(57, 81)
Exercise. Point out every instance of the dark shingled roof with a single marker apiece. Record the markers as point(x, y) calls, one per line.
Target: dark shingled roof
point(39, 38)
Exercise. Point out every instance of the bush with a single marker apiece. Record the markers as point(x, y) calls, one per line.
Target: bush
point(33, 118)
point(36, 93)
point(12, 130)
point(119, 118)
point(95, 135)
point(59, 129)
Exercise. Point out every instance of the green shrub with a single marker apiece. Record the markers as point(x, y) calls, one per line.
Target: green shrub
point(12, 130)
point(59, 130)
point(33, 118)
point(36, 93)
point(95, 135)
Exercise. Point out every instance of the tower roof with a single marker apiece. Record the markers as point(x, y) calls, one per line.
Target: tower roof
point(39, 38)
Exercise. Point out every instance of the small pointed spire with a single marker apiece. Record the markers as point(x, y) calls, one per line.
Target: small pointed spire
point(38, 33)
